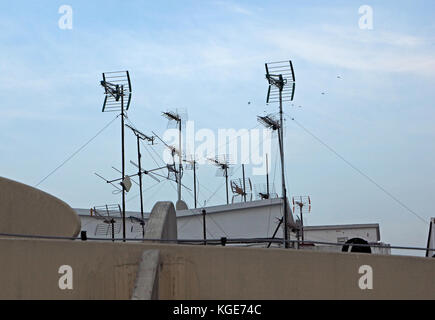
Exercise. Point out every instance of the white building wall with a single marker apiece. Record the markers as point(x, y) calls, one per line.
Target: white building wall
point(253, 219)
point(342, 235)
point(91, 224)
point(256, 219)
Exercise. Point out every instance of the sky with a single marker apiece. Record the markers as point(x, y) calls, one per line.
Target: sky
point(363, 95)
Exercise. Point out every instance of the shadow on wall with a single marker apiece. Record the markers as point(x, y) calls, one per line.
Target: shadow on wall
point(353, 245)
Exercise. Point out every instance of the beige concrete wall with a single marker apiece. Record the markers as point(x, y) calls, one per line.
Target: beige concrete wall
point(26, 210)
point(29, 270)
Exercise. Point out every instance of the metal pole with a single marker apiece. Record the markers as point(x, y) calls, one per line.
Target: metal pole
point(180, 166)
point(302, 223)
point(123, 163)
point(281, 143)
point(226, 182)
point(244, 183)
point(267, 177)
point(275, 232)
point(204, 227)
point(298, 237)
point(194, 181)
point(139, 156)
point(112, 222)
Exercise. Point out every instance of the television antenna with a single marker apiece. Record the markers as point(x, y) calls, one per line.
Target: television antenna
point(175, 116)
point(263, 191)
point(150, 174)
point(129, 177)
point(137, 221)
point(241, 187)
point(178, 118)
point(192, 164)
point(174, 150)
point(124, 182)
point(281, 78)
point(269, 121)
point(301, 202)
point(117, 189)
point(117, 87)
point(224, 169)
point(140, 136)
point(171, 176)
point(107, 213)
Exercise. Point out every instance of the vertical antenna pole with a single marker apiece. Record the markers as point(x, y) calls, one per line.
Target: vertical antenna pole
point(139, 156)
point(281, 145)
point(244, 183)
point(298, 233)
point(123, 162)
point(180, 166)
point(280, 82)
point(194, 181)
point(302, 225)
point(267, 177)
point(226, 182)
point(204, 227)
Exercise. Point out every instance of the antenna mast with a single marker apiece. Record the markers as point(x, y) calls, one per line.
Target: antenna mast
point(107, 214)
point(178, 118)
point(140, 136)
point(192, 165)
point(224, 169)
point(267, 176)
point(281, 78)
point(301, 202)
point(116, 86)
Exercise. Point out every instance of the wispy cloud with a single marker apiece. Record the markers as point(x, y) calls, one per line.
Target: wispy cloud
point(234, 7)
point(357, 50)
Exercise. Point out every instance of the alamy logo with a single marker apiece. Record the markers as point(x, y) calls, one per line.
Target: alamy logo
point(366, 280)
point(66, 20)
point(366, 20)
point(243, 146)
point(66, 280)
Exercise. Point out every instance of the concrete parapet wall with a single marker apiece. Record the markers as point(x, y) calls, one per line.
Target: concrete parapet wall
point(162, 223)
point(29, 211)
point(30, 270)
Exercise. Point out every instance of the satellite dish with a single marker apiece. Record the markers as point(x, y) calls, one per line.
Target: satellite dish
point(126, 183)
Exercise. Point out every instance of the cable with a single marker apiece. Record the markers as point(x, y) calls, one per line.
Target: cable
point(210, 241)
point(76, 152)
point(143, 144)
point(360, 172)
point(226, 144)
point(261, 143)
point(150, 154)
point(239, 136)
point(276, 162)
point(147, 189)
point(146, 148)
point(238, 168)
point(203, 186)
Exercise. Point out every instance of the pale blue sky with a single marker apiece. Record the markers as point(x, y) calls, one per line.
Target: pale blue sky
point(208, 57)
